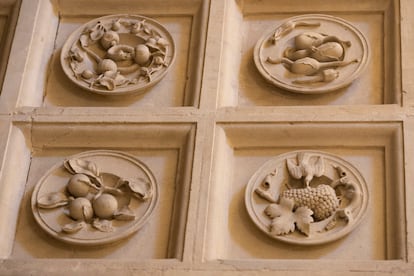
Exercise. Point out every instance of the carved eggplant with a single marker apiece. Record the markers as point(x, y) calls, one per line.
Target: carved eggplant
point(330, 51)
point(308, 40)
point(310, 66)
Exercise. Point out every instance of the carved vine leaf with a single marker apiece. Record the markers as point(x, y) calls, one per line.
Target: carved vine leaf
point(303, 219)
point(52, 200)
point(73, 227)
point(102, 225)
point(284, 218)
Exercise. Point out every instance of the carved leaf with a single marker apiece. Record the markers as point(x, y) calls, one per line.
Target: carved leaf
point(124, 214)
point(282, 225)
point(162, 42)
point(120, 80)
point(277, 210)
point(283, 218)
point(102, 225)
point(73, 227)
point(146, 29)
point(75, 166)
point(303, 218)
point(108, 83)
point(52, 200)
point(84, 40)
point(77, 68)
point(283, 30)
point(294, 170)
point(140, 188)
point(75, 54)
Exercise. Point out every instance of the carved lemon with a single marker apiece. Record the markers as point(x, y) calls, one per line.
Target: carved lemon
point(107, 65)
point(78, 185)
point(105, 206)
point(80, 209)
point(87, 74)
point(109, 39)
point(142, 54)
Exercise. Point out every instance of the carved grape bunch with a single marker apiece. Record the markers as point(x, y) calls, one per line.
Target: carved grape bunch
point(321, 200)
point(306, 197)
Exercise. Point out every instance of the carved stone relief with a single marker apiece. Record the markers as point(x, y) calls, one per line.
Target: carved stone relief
point(95, 197)
point(306, 197)
point(118, 54)
point(312, 54)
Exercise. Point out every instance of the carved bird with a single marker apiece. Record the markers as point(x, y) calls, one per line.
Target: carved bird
point(305, 168)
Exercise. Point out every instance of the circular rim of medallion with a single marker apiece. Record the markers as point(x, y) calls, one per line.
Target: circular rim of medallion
point(339, 83)
point(109, 237)
point(129, 89)
point(294, 237)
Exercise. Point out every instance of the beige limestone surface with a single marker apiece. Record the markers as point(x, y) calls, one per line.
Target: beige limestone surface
point(204, 130)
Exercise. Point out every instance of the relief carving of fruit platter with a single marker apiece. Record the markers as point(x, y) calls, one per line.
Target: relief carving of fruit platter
point(95, 197)
point(306, 197)
point(118, 54)
point(312, 54)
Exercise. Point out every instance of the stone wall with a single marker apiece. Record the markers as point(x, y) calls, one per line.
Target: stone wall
point(189, 131)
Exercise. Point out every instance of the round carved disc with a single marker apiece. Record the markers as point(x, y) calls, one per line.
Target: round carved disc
point(118, 54)
point(112, 166)
point(265, 188)
point(281, 42)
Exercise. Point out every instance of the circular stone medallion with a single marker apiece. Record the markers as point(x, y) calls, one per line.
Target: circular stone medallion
point(118, 54)
point(312, 54)
point(94, 198)
point(306, 197)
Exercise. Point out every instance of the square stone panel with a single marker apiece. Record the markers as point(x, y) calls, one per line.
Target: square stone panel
point(248, 21)
point(179, 87)
point(242, 148)
point(160, 237)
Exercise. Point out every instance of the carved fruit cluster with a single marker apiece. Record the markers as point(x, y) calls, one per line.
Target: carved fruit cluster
point(83, 207)
point(322, 200)
point(91, 201)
